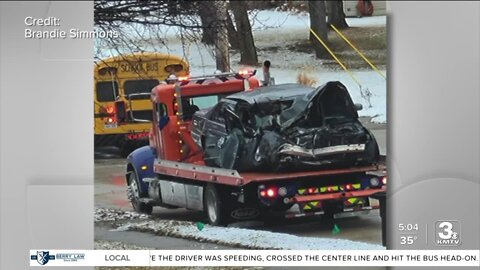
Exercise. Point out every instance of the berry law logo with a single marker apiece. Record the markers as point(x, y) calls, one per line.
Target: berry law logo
point(447, 233)
point(42, 257)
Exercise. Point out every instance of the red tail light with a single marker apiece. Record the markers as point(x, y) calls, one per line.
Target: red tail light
point(110, 109)
point(270, 192)
point(110, 120)
point(348, 187)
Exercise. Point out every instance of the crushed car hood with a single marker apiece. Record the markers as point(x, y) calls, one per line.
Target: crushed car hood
point(302, 97)
point(302, 104)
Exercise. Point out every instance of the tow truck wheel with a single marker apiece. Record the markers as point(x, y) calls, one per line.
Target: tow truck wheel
point(213, 206)
point(134, 195)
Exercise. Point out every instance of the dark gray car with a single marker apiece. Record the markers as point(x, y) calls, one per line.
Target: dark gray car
point(285, 127)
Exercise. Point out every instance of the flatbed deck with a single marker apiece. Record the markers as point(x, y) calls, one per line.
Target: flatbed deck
point(235, 178)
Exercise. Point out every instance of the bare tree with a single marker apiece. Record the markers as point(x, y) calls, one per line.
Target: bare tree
point(248, 52)
point(222, 57)
point(139, 24)
point(232, 33)
point(208, 18)
point(319, 25)
point(336, 16)
point(111, 14)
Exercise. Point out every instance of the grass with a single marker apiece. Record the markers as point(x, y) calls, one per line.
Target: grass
point(371, 41)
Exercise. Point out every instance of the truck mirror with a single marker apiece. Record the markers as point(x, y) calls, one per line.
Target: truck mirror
point(163, 122)
point(120, 111)
point(358, 106)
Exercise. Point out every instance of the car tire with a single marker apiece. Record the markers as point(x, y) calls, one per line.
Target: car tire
point(134, 194)
point(214, 206)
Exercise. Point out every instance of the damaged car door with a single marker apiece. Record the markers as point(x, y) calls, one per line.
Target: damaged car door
point(220, 145)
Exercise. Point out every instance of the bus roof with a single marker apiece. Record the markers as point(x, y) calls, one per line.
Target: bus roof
point(139, 56)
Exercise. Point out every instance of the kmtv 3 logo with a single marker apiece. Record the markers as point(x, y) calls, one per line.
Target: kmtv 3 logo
point(42, 257)
point(447, 233)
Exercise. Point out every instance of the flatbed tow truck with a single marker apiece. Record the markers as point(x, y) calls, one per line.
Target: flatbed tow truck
point(170, 172)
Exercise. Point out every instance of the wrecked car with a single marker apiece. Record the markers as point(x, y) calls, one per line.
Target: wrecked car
point(285, 127)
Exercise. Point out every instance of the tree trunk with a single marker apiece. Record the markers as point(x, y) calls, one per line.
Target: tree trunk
point(336, 16)
point(207, 17)
point(248, 52)
point(319, 25)
point(232, 33)
point(222, 57)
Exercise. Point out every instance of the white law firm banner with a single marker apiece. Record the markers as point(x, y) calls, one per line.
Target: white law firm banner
point(254, 258)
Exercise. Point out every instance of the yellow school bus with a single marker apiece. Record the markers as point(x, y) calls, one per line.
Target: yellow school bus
point(123, 78)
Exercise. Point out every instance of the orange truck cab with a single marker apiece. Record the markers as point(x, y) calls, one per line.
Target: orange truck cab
point(175, 104)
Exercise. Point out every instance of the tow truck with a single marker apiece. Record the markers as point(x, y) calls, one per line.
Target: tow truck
point(170, 172)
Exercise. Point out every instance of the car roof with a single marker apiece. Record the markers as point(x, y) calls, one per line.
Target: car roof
point(274, 92)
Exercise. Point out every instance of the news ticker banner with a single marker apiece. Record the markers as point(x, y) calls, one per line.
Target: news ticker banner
point(254, 258)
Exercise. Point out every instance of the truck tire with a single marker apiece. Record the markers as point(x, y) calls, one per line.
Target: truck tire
point(214, 206)
point(134, 195)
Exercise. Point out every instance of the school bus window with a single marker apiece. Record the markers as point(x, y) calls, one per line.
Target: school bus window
point(107, 91)
point(173, 68)
point(139, 86)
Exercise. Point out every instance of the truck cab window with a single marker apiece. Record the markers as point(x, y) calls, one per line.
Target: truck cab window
point(160, 110)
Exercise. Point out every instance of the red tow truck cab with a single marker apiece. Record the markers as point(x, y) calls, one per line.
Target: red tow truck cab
point(171, 172)
point(174, 106)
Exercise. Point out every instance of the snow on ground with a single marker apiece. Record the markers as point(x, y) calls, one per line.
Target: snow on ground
point(278, 29)
point(245, 238)
point(286, 67)
point(103, 214)
point(370, 81)
point(288, 20)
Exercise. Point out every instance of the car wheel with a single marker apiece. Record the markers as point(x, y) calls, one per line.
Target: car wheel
point(214, 208)
point(134, 194)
